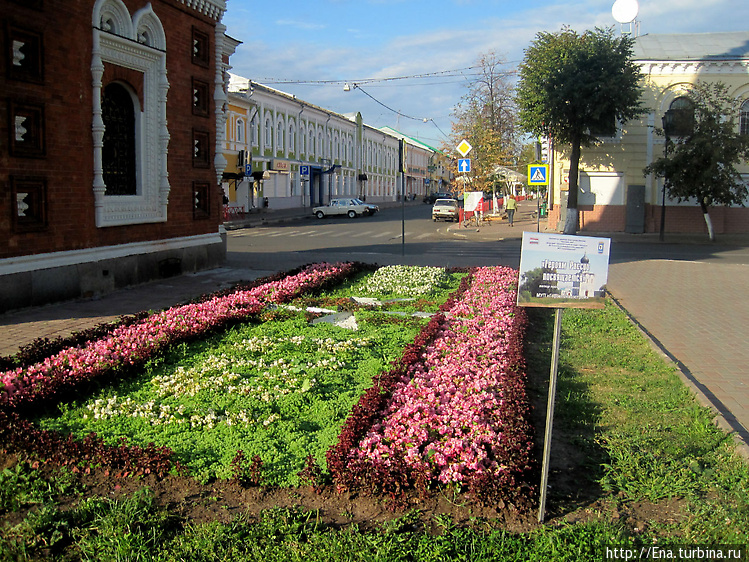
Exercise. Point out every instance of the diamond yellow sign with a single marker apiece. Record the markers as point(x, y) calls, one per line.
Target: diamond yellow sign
point(464, 147)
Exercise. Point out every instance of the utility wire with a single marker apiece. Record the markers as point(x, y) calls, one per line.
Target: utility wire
point(441, 73)
point(422, 119)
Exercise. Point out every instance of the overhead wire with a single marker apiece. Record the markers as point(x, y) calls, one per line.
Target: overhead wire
point(460, 74)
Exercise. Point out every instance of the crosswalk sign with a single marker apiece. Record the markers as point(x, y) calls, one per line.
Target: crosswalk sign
point(538, 174)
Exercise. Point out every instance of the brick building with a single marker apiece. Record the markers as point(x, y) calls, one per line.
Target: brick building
point(111, 112)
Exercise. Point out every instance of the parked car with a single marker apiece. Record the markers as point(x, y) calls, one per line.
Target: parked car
point(350, 207)
point(446, 209)
point(431, 198)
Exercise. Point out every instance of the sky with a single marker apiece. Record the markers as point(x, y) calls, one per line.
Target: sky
point(411, 59)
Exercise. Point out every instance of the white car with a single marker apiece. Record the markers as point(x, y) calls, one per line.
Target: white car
point(446, 209)
point(350, 207)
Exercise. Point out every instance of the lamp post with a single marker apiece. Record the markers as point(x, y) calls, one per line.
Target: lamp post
point(668, 123)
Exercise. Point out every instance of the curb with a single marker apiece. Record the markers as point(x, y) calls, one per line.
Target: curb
point(702, 393)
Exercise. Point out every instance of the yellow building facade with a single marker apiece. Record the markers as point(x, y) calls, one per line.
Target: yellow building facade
point(615, 195)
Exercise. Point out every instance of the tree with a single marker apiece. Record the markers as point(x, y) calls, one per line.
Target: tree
point(702, 164)
point(486, 118)
point(574, 85)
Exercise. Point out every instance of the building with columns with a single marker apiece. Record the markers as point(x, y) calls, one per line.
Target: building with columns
point(112, 112)
point(615, 195)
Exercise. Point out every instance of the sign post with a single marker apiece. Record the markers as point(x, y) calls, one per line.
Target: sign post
point(403, 153)
point(559, 271)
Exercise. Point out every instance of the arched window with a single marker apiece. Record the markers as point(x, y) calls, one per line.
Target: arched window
point(253, 130)
point(268, 133)
point(240, 130)
point(279, 135)
point(135, 162)
point(118, 151)
point(679, 120)
point(744, 118)
point(292, 134)
point(302, 139)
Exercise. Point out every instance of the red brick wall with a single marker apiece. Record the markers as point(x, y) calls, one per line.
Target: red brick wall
point(66, 97)
point(689, 220)
point(679, 220)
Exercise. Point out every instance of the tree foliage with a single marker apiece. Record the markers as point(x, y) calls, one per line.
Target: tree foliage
point(486, 117)
point(702, 165)
point(572, 85)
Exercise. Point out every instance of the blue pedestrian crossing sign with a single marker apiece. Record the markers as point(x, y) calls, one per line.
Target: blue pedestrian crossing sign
point(464, 165)
point(538, 174)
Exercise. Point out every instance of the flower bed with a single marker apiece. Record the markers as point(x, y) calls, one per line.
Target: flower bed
point(459, 413)
point(123, 348)
point(451, 409)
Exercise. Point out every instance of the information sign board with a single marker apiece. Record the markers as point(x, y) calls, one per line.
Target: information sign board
point(562, 271)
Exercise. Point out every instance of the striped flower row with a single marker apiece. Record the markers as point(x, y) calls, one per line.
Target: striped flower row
point(134, 344)
point(460, 416)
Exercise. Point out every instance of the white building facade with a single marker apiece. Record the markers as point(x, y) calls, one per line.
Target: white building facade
point(283, 152)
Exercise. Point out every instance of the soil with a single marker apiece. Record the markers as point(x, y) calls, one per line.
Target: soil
point(573, 494)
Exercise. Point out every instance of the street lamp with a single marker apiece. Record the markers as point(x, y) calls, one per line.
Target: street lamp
point(668, 124)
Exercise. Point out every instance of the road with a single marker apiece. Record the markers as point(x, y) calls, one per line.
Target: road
point(376, 239)
point(379, 239)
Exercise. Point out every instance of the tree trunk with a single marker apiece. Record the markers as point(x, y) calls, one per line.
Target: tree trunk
point(570, 224)
point(708, 220)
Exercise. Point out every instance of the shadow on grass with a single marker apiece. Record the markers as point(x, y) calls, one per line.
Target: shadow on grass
point(576, 458)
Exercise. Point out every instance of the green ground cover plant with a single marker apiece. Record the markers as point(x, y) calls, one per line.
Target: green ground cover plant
point(657, 442)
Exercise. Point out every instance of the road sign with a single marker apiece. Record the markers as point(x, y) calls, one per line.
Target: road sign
point(538, 174)
point(248, 169)
point(304, 171)
point(464, 147)
point(464, 165)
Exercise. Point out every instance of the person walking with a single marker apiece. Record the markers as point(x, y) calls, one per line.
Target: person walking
point(510, 206)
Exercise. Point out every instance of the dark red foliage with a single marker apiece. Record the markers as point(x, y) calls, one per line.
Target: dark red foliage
point(18, 434)
point(247, 474)
point(368, 410)
point(312, 475)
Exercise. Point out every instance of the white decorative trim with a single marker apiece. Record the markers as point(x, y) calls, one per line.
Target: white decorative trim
point(220, 98)
point(667, 68)
point(211, 8)
point(35, 262)
point(672, 92)
point(139, 44)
